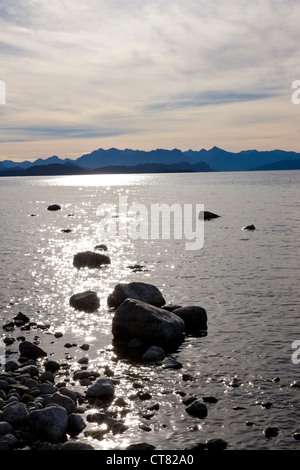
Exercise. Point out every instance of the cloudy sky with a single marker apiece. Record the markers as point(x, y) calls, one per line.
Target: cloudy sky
point(147, 74)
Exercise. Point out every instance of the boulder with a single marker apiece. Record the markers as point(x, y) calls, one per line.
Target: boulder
point(87, 301)
point(90, 259)
point(249, 227)
point(50, 423)
point(150, 324)
point(54, 207)
point(30, 350)
point(135, 290)
point(100, 247)
point(194, 317)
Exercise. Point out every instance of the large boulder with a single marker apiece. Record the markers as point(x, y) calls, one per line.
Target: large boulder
point(194, 317)
point(87, 301)
point(50, 423)
point(135, 290)
point(90, 259)
point(150, 324)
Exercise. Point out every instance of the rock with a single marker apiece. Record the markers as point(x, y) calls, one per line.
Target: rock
point(61, 400)
point(210, 399)
point(76, 446)
point(5, 428)
point(58, 334)
point(206, 215)
point(30, 350)
point(153, 354)
point(47, 389)
point(89, 259)
point(216, 444)
point(51, 366)
point(100, 247)
point(50, 423)
point(194, 317)
point(21, 316)
point(249, 227)
point(87, 301)
point(119, 428)
point(296, 436)
point(271, 432)
point(135, 290)
point(140, 446)
point(137, 319)
point(66, 230)
point(102, 388)
point(75, 424)
point(33, 371)
point(197, 408)
point(15, 414)
point(54, 207)
point(171, 363)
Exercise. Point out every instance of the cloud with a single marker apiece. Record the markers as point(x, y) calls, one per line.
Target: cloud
point(81, 68)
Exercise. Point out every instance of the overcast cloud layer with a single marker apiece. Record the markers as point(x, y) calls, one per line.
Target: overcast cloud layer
point(84, 74)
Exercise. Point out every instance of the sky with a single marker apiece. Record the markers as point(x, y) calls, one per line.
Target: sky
point(87, 74)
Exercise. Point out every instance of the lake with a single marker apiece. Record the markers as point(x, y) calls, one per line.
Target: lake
point(248, 282)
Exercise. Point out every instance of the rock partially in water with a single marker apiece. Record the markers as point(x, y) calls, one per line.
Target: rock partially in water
point(216, 444)
point(206, 215)
point(194, 317)
point(153, 354)
point(102, 388)
point(70, 445)
point(140, 446)
point(271, 431)
point(90, 259)
point(87, 301)
point(249, 227)
point(150, 324)
point(30, 350)
point(135, 290)
point(100, 247)
point(54, 207)
point(170, 363)
point(50, 423)
point(197, 408)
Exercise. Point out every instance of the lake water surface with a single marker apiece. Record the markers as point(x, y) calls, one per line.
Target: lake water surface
point(248, 282)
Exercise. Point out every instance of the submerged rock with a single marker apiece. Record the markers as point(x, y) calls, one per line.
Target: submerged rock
point(150, 324)
point(89, 259)
point(87, 301)
point(135, 290)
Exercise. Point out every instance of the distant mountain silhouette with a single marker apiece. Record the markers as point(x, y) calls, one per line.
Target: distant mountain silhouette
point(72, 169)
point(281, 165)
point(217, 159)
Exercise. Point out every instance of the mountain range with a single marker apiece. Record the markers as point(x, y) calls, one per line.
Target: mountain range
point(160, 160)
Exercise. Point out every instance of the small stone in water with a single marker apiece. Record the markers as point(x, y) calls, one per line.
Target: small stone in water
point(271, 431)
